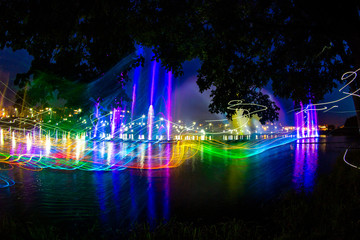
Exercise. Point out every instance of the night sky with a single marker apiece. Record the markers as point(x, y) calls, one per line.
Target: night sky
point(189, 103)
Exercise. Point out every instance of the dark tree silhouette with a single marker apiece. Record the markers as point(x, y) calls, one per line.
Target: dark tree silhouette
point(301, 46)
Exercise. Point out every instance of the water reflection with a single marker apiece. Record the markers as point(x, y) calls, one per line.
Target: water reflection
point(150, 191)
point(210, 180)
point(306, 159)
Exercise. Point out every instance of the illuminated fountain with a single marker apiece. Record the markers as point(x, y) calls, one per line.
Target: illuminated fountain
point(151, 92)
point(151, 97)
point(148, 120)
point(244, 125)
point(306, 121)
point(168, 105)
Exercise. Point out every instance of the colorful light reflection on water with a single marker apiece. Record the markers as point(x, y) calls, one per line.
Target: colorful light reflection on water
point(306, 157)
point(36, 151)
point(212, 180)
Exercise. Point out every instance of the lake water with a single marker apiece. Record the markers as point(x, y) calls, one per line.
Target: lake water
point(203, 185)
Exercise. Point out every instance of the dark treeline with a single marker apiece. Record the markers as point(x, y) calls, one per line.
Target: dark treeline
point(302, 47)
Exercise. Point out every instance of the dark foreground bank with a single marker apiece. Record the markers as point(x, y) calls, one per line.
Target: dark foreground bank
point(332, 211)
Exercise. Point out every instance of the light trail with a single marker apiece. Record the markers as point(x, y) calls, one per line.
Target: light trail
point(236, 106)
point(106, 141)
point(36, 151)
point(345, 76)
point(344, 158)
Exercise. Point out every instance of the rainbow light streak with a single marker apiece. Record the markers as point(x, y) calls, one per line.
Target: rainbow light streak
point(105, 147)
point(86, 155)
point(41, 151)
point(242, 150)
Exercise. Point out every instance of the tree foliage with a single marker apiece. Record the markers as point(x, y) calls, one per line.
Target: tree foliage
point(302, 47)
